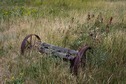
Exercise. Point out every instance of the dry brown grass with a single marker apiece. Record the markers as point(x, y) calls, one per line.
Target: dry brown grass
point(53, 30)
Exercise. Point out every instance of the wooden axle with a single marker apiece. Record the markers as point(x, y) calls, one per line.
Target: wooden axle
point(57, 51)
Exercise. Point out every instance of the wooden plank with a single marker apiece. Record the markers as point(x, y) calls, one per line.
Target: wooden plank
point(59, 54)
point(58, 49)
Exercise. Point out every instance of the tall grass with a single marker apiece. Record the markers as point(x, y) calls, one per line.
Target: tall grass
point(63, 23)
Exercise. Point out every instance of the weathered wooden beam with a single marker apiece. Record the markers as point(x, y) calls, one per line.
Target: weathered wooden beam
point(57, 49)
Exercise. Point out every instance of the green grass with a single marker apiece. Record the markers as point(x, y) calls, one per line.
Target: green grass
point(63, 23)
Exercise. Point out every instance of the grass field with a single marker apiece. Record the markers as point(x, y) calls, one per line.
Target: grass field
point(100, 24)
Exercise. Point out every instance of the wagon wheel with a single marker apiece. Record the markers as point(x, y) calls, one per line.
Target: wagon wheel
point(79, 60)
point(30, 42)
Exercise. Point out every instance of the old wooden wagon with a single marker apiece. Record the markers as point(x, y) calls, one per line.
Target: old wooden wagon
point(76, 58)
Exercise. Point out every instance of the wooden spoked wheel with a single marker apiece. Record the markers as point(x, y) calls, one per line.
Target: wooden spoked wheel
point(30, 42)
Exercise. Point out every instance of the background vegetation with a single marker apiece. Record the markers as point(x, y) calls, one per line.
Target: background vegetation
point(63, 23)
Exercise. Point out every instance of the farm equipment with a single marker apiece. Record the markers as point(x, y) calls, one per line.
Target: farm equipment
point(76, 58)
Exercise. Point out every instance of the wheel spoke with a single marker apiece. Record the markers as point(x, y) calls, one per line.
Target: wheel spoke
point(27, 45)
point(28, 42)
